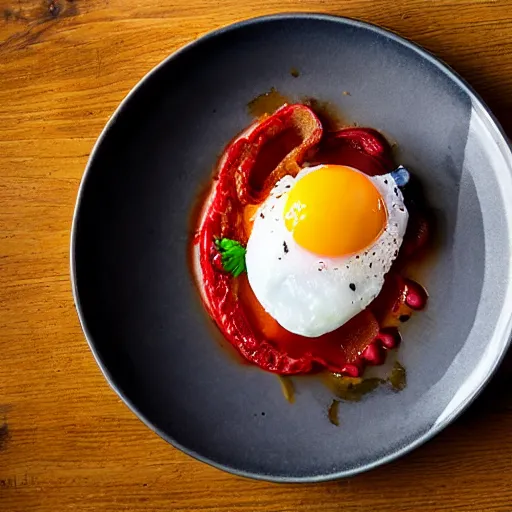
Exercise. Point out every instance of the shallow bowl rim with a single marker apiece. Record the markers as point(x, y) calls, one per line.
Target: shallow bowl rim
point(453, 75)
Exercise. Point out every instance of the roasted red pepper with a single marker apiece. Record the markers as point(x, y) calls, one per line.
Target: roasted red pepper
point(269, 149)
point(362, 148)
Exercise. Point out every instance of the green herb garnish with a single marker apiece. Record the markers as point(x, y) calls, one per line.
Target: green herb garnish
point(233, 255)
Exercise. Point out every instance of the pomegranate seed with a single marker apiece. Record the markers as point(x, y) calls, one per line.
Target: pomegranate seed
point(389, 337)
point(374, 354)
point(416, 296)
point(351, 370)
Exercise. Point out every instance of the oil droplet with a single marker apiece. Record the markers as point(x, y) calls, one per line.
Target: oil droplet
point(333, 413)
point(351, 389)
point(287, 388)
point(266, 103)
point(398, 377)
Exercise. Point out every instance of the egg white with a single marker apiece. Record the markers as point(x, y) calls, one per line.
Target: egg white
point(308, 294)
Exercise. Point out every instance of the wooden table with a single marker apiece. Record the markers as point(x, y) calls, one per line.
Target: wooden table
point(66, 440)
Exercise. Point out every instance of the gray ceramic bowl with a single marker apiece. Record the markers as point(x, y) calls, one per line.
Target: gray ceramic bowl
point(136, 299)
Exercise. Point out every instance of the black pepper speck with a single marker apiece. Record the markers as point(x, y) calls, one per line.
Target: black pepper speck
point(285, 247)
point(386, 182)
point(352, 286)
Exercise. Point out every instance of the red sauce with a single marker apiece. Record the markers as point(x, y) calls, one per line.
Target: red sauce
point(271, 148)
point(332, 350)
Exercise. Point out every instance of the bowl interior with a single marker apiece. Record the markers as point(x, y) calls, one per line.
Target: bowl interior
point(139, 305)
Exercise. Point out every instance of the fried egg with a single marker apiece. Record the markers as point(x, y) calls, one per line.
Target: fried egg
point(321, 244)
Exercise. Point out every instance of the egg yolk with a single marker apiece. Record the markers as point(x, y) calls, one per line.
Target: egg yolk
point(334, 211)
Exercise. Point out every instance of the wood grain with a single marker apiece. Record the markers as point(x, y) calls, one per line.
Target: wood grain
point(66, 440)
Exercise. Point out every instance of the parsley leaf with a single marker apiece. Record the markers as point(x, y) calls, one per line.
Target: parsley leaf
point(233, 255)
